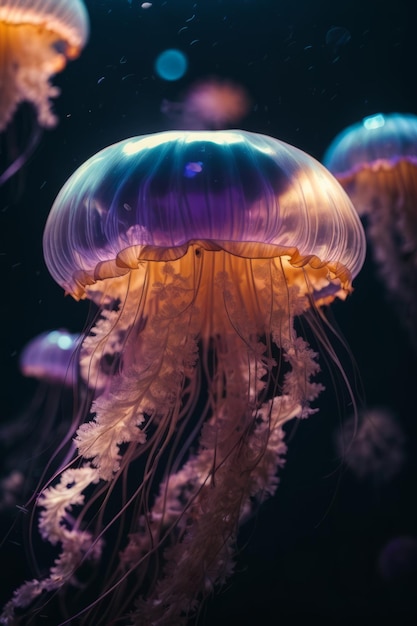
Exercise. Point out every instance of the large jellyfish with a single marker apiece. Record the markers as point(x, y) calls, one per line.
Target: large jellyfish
point(36, 40)
point(375, 160)
point(201, 250)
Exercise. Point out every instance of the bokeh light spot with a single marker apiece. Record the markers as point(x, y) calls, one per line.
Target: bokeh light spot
point(171, 64)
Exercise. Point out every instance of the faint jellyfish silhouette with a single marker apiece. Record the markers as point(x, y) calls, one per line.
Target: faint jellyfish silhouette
point(50, 358)
point(376, 163)
point(398, 559)
point(37, 39)
point(336, 38)
point(210, 103)
point(200, 249)
point(12, 486)
point(372, 445)
point(397, 568)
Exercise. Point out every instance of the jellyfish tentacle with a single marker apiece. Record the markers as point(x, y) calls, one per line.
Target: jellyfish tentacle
point(240, 449)
point(197, 514)
point(245, 472)
point(20, 160)
point(153, 373)
point(241, 444)
point(104, 340)
point(58, 527)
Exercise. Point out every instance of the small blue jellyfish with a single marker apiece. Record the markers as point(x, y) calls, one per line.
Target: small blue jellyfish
point(50, 357)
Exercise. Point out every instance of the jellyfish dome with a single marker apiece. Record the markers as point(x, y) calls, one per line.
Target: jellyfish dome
point(201, 249)
point(379, 142)
point(155, 197)
point(375, 160)
point(36, 40)
point(50, 357)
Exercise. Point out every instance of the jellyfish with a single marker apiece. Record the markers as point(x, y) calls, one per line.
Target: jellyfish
point(336, 38)
point(201, 250)
point(396, 568)
point(398, 559)
point(376, 162)
point(50, 359)
point(372, 445)
point(36, 40)
point(210, 103)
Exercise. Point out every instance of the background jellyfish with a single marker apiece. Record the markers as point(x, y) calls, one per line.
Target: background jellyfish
point(397, 570)
point(398, 559)
point(49, 358)
point(376, 162)
point(210, 103)
point(336, 38)
point(201, 250)
point(36, 40)
point(372, 445)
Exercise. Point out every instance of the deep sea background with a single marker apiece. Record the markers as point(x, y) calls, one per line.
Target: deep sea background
point(312, 550)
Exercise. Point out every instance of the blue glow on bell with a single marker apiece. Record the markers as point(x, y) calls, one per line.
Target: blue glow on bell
point(374, 121)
